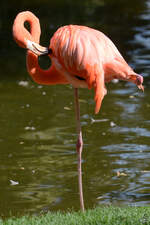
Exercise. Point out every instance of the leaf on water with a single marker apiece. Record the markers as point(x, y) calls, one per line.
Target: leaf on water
point(12, 182)
point(112, 124)
point(145, 171)
point(100, 197)
point(82, 101)
point(131, 96)
point(98, 121)
point(29, 128)
point(67, 108)
point(119, 174)
point(23, 83)
point(40, 86)
point(22, 168)
point(43, 93)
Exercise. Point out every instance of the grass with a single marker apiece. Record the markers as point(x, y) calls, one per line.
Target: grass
point(98, 216)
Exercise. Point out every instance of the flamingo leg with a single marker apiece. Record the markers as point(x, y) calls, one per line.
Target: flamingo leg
point(79, 147)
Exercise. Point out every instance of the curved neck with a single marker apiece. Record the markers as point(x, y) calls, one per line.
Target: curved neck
point(40, 76)
point(21, 34)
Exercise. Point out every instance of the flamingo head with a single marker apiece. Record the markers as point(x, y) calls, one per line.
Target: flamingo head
point(136, 79)
point(36, 48)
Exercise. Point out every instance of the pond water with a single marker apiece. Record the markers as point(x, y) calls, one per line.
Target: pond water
point(38, 162)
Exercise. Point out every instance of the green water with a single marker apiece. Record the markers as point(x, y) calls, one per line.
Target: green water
point(38, 163)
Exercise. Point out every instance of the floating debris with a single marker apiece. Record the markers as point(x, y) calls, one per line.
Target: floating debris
point(23, 83)
point(22, 168)
point(43, 93)
point(145, 171)
point(29, 128)
point(82, 101)
point(119, 174)
point(40, 86)
point(12, 182)
point(131, 96)
point(98, 121)
point(67, 108)
point(112, 124)
point(100, 197)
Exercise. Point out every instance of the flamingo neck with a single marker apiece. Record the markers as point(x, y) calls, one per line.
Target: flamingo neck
point(46, 77)
point(21, 34)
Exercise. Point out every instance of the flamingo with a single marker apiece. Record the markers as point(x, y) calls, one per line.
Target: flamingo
point(80, 56)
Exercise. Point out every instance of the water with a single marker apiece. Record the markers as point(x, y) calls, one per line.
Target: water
point(38, 163)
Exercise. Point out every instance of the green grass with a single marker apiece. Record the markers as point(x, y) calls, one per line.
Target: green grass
point(99, 216)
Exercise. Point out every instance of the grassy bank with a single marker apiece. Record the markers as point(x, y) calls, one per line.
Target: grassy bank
point(98, 216)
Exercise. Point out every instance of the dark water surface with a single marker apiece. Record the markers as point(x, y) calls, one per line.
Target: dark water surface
point(38, 164)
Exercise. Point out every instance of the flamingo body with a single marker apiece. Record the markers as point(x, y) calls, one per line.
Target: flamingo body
point(81, 56)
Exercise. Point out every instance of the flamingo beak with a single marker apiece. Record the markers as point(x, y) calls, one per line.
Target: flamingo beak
point(36, 48)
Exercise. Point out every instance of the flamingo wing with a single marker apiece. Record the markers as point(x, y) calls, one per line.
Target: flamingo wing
point(79, 52)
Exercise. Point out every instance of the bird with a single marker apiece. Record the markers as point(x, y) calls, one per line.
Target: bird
point(81, 56)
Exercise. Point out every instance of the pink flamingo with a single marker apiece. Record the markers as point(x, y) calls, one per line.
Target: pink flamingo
point(80, 56)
